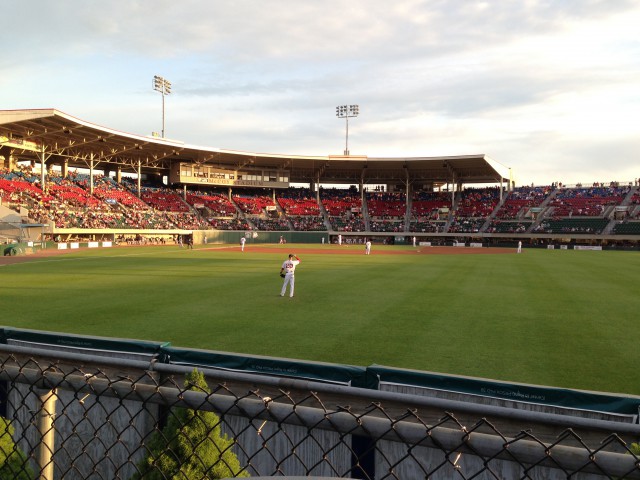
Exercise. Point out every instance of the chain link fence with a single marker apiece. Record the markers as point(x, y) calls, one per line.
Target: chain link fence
point(73, 416)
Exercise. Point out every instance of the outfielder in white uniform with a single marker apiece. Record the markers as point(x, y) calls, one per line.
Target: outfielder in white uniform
point(519, 246)
point(242, 241)
point(367, 247)
point(289, 268)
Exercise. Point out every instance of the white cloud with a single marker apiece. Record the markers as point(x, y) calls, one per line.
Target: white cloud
point(545, 87)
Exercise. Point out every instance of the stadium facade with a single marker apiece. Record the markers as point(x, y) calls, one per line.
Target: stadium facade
point(49, 140)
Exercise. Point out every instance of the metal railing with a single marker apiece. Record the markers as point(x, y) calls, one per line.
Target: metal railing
point(79, 416)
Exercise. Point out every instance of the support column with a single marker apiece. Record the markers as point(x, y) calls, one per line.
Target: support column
point(139, 178)
point(46, 416)
point(407, 210)
point(42, 169)
point(119, 175)
point(91, 174)
point(6, 159)
point(453, 192)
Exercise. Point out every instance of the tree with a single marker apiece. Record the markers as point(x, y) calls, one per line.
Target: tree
point(13, 462)
point(191, 445)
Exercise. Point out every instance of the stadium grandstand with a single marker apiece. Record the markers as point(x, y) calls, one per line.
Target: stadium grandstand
point(75, 180)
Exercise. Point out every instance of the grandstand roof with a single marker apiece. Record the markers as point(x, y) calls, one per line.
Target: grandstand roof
point(29, 134)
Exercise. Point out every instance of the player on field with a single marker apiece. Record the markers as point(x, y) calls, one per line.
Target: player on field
point(367, 247)
point(242, 241)
point(288, 269)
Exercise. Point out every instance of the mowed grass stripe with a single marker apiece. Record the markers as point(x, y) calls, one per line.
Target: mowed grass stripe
point(561, 318)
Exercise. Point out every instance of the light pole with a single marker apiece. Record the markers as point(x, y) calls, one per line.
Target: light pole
point(346, 112)
point(163, 86)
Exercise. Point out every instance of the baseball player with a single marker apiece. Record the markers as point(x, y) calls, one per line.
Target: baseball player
point(287, 271)
point(367, 247)
point(242, 241)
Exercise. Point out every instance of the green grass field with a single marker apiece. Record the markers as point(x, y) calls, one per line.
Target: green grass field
point(557, 318)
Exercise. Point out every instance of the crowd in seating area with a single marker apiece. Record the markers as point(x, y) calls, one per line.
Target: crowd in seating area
point(477, 202)
point(587, 202)
point(572, 225)
point(298, 202)
point(337, 201)
point(522, 198)
point(386, 225)
point(426, 226)
point(218, 204)
point(271, 224)
point(253, 202)
point(466, 225)
point(386, 205)
point(473, 208)
point(67, 202)
point(344, 208)
point(163, 199)
point(20, 188)
point(351, 223)
point(503, 226)
point(308, 223)
point(427, 205)
point(229, 224)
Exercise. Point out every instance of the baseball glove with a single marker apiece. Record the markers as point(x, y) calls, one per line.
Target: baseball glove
point(282, 274)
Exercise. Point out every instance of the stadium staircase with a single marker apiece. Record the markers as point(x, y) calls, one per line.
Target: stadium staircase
point(325, 215)
point(451, 216)
point(626, 202)
point(240, 213)
point(544, 210)
point(491, 217)
point(365, 214)
point(407, 214)
point(283, 214)
point(9, 215)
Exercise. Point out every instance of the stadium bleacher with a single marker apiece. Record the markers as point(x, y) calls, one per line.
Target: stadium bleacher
point(552, 210)
point(344, 209)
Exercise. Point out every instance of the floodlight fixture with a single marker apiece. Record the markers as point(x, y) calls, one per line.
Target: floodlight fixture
point(162, 85)
point(347, 112)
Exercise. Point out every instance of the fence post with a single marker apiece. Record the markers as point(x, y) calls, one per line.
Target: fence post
point(46, 416)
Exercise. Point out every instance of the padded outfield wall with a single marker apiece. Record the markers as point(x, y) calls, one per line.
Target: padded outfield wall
point(122, 424)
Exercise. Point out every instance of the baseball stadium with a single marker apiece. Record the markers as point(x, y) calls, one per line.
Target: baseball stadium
point(490, 332)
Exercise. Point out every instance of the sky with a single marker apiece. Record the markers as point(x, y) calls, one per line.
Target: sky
point(550, 89)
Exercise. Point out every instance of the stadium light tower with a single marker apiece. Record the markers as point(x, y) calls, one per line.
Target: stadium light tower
point(346, 112)
point(163, 86)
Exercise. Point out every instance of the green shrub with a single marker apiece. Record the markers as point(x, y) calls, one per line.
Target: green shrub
point(191, 445)
point(13, 462)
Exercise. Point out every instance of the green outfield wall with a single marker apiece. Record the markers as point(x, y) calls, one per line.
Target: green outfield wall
point(374, 377)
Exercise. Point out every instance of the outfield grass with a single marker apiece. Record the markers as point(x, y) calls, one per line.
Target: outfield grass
point(559, 318)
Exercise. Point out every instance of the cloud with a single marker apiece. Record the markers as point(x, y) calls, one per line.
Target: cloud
point(509, 78)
